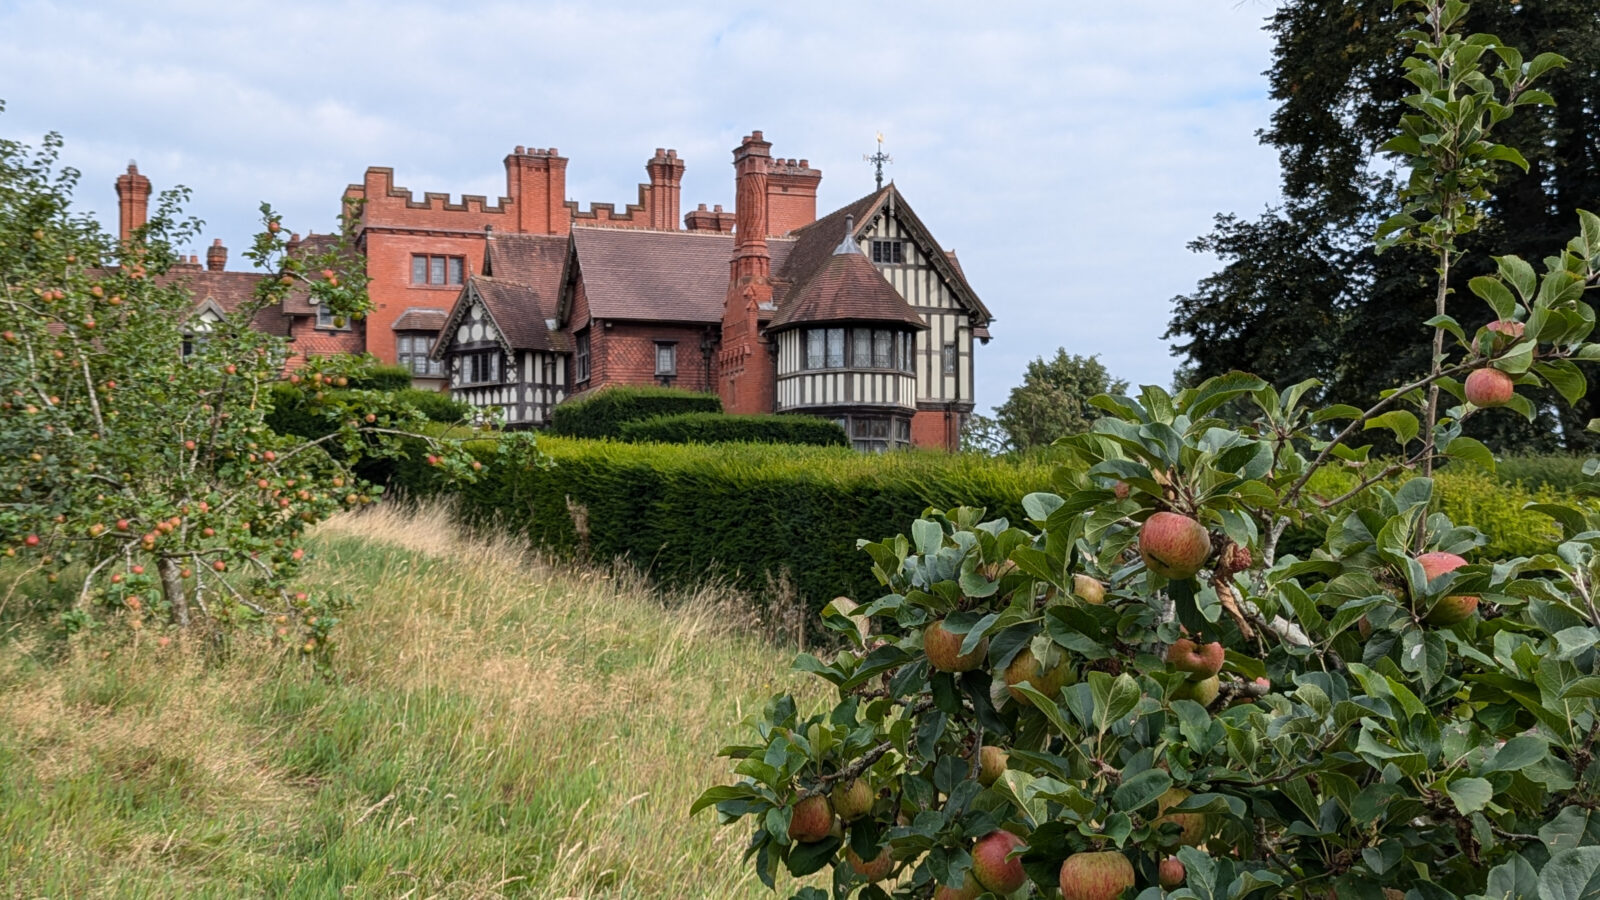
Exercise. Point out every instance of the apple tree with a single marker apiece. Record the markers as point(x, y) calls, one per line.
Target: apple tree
point(1134, 693)
point(135, 463)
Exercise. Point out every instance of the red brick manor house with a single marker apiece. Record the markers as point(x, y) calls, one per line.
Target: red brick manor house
point(858, 316)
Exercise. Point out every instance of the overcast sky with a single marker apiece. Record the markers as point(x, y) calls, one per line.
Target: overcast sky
point(1066, 150)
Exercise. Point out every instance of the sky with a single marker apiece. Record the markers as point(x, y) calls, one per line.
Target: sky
point(1067, 151)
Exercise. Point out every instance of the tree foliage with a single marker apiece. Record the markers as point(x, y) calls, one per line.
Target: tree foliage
point(1302, 292)
point(149, 479)
point(1053, 399)
point(1135, 680)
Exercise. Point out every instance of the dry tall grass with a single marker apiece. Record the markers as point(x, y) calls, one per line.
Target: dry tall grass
point(501, 726)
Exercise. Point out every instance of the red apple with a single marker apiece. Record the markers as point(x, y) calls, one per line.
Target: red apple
point(991, 867)
point(944, 649)
point(1201, 661)
point(220, 566)
point(811, 820)
point(1101, 875)
point(969, 890)
point(31, 540)
point(1171, 873)
point(876, 870)
point(1489, 388)
point(1173, 546)
point(1450, 610)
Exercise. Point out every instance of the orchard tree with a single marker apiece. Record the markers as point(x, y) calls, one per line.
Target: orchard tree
point(135, 462)
point(1053, 399)
point(1134, 694)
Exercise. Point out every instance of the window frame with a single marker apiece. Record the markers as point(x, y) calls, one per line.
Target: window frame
point(888, 251)
point(325, 319)
point(671, 348)
point(581, 357)
point(407, 354)
point(447, 266)
point(951, 362)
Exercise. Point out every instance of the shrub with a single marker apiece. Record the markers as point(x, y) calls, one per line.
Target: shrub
point(434, 406)
point(601, 413)
point(720, 428)
point(376, 376)
point(1560, 472)
point(748, 511)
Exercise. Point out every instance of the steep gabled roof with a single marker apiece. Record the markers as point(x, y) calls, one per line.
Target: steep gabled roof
point(517, 311)
point(536, 260)
point(228, 291)
point(815, 242)
point(658, 276)
point(845, 288)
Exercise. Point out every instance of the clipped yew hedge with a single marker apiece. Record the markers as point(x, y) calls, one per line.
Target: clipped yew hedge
point(743, 511)
point(603, 413)
point(719, 428)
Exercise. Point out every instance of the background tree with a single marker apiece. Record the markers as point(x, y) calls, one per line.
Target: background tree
point(1338, 311)
point(146, 478)
point(1053, 399)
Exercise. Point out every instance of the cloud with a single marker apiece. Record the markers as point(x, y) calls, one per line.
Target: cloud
point(1067, 151)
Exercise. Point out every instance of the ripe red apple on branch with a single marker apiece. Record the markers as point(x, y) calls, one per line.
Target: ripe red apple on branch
point(1173, 546)
point(1489, 388)
point(990, 865)
point(1097, 875)
point(1453, 609)
point(944, 649)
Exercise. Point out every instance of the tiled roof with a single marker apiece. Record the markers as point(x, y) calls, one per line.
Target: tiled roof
point(846, 288)
point(535, 260)
point(229, 290)
point(659, 276)
point(518, 311)
point(420, 318)
point(814, 243)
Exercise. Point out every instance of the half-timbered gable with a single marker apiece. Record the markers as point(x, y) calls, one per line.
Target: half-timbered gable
point(499, 350)
point(891, 237)
point(846, 343)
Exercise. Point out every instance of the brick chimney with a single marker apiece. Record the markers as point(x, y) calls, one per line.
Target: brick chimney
point(133, 201)
point(747, 371)
point(791, 195)
point(712, 220)
point(536, 183)
point(666, 178)
point(216, 256)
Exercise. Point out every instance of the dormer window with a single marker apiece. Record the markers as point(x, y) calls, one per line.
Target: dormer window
point(888, 251)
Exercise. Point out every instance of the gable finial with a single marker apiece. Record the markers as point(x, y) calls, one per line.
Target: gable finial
point(878, 159)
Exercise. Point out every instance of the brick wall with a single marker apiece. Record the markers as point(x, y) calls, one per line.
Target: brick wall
point(305, 340)
point(389, 267)
point(936, 429)
point(625, 353)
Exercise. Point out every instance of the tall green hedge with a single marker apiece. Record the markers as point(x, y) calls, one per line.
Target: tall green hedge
point(1469, 496)
point(745, 511)
point(719, 428)
point(602, 413)
point(381, 377)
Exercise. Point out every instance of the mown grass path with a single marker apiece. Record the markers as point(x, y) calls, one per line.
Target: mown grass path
point(499, 727)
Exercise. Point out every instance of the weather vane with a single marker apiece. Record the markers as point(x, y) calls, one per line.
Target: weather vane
point(878, 159)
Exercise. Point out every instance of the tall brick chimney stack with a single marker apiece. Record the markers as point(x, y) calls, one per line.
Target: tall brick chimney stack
point(216, 256)
point(747, 372)
point(751, 159)
point(536, 183)
point(133, 201)
point(791, 195)
point(666, 179)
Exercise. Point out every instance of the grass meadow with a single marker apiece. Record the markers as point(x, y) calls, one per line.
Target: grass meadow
point(499, 726)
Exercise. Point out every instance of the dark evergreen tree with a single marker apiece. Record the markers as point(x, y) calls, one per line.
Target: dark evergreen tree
point(1301, 292)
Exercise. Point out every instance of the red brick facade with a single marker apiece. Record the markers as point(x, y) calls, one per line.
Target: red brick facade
point(729, 352)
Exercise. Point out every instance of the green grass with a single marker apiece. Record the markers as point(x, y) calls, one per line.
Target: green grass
point(499, 727)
